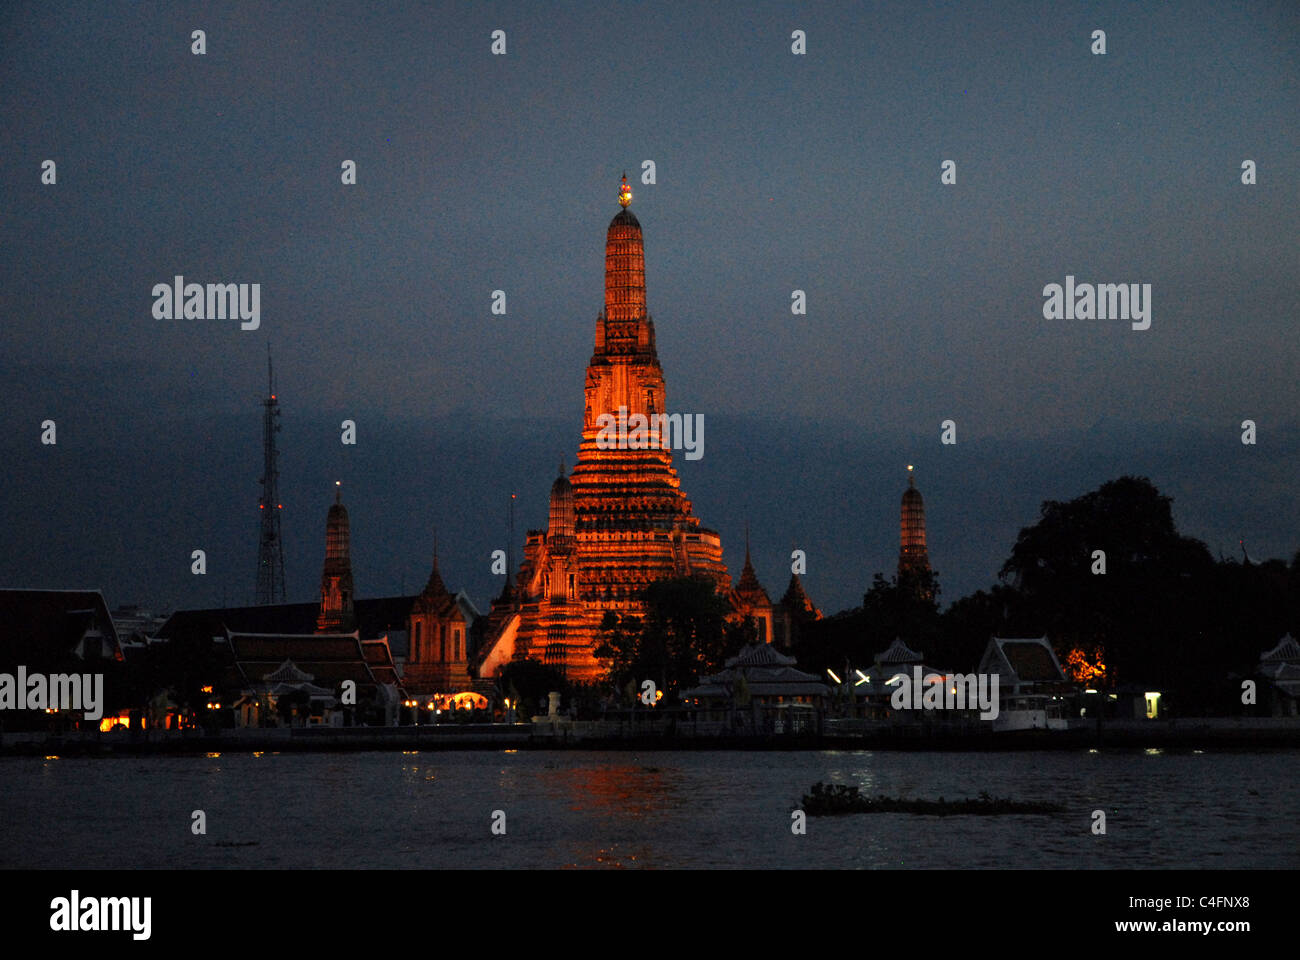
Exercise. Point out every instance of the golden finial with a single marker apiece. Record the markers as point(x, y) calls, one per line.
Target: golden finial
point(624, 193)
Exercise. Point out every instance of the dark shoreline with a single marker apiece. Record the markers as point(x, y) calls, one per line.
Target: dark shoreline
point(1189, 734)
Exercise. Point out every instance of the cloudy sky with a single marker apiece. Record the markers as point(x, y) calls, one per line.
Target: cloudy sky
point(774, 172)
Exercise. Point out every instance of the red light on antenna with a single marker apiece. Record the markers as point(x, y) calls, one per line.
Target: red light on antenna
point(261, 506)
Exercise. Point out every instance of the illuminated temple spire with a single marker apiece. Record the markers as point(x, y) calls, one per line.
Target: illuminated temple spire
point(913, 557)
point(620, 520)
point(336, 591)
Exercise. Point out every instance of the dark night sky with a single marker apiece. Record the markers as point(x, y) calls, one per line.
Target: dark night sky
point(775, 172)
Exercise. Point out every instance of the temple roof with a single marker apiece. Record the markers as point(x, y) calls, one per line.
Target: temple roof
point(766, 671)
point(749, 589)
point(374, 617)
point(43, 626)
point(1287, 650)
point(796, 599)
point(328, 659)
point(760, 655)
point(1031, 659)
point(435, 598)
point(899, 652)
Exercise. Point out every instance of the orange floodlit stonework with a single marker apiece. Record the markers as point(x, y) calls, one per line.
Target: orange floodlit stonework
point(620, 521)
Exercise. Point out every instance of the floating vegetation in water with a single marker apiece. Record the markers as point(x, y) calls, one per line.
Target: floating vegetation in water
point(830, 799)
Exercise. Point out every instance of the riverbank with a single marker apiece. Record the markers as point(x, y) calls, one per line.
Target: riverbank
point(1188, 733)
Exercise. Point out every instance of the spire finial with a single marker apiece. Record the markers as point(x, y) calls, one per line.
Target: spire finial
point(561, 464)
point(624, 193)
point(435, 546)
point(746, 543)
point(911, 479)
point(338, 491)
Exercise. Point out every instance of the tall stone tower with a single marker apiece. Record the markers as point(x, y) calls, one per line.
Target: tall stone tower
point(336, 593)
point(913, 557)
point(620, 521)
point(633, 523)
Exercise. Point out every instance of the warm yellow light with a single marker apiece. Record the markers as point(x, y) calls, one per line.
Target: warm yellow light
point(624, 193)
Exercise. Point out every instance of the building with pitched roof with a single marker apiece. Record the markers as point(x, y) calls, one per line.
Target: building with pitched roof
point(261, 668)
point(1031, 684)
point(1279, 668)
point(58, 632)
point(764, 685)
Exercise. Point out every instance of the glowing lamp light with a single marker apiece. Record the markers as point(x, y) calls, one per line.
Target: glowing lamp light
point(624, 193)
point(865, 678)
point(832, 675)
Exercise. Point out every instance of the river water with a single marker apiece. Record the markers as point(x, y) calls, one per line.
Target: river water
point(655, 809)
